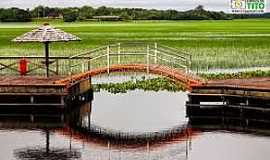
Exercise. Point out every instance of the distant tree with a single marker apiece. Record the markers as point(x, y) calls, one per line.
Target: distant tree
point(22, 15)
point(15, 15)
point(199, 8)
point(38, 12)
point(86, 12)
point(70, 15)
point(103, 11)
point(125, 16)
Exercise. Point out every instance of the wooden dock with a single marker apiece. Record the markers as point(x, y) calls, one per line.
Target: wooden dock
point(37, 91)
point(238, 100)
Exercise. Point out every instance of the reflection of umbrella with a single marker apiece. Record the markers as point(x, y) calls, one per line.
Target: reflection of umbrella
point(46, 34)
point(41, 154)
point(47, 153)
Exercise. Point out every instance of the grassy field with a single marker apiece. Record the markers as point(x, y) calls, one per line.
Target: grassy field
point(213, 44)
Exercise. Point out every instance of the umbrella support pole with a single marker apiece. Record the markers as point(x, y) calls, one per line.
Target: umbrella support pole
point(47, 58)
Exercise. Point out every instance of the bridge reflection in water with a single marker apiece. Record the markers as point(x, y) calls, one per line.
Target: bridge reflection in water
point(75, 125)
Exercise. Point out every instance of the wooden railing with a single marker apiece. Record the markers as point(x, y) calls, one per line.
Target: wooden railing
point(131, 53)
point(59, 65)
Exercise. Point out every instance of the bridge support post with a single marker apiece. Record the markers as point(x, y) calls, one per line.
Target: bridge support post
point(119, 53)
point(147, 60)
point(70, 70)
point(57, 67)
point(89, 64)
point(156, 46)
point(83, 67)
point(108, 59)
point(190, 63)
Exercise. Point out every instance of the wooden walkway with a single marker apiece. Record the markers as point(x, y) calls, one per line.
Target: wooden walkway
point(252, 87)
point(231, 101)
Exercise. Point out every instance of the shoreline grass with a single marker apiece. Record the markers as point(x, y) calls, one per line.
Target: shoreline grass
point(213, 44)
point(239, 75)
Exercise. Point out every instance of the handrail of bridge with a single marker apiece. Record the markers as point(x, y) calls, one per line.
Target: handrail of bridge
point(89, 52)
point(174, 50)
point(130, 53)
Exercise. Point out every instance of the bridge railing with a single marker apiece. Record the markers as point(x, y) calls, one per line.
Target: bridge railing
point(131, 53)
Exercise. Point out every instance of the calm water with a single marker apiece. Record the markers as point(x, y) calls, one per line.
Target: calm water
point(135, 111)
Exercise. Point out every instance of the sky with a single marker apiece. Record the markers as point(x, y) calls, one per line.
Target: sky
point(216, 5)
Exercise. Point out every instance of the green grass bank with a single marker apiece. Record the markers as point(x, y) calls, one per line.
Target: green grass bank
point(213, 44)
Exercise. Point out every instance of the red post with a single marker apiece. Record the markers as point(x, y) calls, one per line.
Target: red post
point(23, 67)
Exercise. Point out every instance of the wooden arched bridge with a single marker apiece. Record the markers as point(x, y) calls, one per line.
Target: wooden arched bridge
point(70, 76)
point(132, 57)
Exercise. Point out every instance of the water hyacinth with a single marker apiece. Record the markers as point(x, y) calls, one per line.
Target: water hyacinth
point(155, 84)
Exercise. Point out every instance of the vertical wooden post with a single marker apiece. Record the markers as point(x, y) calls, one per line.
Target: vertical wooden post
point(47, 58)
point(147, 60)
point(148, 149)
point(83, 67)
point(89, 114)
point(70, 69)
point(47, 141)
point(32, 101)
point(57, 66)
point(109, 149)
point(119, 53)
point(62, 100)
point(190, 63)
point(89, 64)
point(108, 59)
point(156, 46)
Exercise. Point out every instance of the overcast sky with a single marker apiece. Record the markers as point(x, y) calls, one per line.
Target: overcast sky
point(217, 5)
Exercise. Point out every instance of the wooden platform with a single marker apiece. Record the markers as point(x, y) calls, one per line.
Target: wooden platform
point(253, 87)
point(238, 100)
point(30, 91)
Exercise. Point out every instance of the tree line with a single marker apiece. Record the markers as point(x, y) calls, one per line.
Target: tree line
point(87, 13)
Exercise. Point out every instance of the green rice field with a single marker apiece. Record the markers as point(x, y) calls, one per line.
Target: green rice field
point(213, 44)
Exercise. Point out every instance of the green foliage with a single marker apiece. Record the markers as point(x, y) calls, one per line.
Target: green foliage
point(155, 84)
point(240, 75)
point(86, 12)
point(70, 15)
point(14, 15)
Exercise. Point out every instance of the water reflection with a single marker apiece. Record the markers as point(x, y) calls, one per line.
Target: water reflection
point(67, 136)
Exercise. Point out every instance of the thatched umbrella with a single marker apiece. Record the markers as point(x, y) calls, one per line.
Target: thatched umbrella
point(46, 34)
